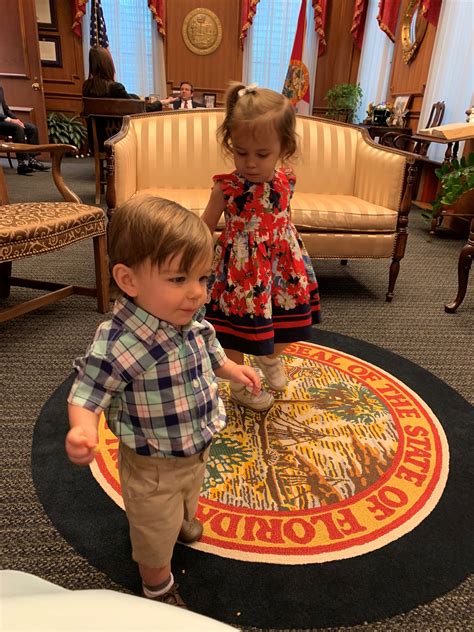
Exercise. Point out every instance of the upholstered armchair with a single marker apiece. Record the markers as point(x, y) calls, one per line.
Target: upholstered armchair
point(352, 195)
point(30, 229)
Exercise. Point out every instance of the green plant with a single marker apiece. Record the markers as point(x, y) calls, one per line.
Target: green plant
point(343, 101)
point(65, 129)
point(456, 177)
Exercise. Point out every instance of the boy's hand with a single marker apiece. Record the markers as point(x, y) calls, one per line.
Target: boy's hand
point(246, 375)
point(81, 447)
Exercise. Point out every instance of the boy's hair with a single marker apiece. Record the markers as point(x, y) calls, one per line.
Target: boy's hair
point(255, 107)
point(157, 229)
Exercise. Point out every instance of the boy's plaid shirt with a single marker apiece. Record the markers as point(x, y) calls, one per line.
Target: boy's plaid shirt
point(155, 384)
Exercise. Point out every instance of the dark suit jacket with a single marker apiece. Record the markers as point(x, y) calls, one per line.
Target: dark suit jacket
point(177, 104)
point(7, 112)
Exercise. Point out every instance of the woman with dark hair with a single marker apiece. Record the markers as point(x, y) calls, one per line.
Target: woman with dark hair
point(101, 82)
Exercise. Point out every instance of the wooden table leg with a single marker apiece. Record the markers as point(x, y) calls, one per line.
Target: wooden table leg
point(464, 265)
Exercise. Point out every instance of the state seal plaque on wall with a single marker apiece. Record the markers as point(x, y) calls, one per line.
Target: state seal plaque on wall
point(202, 31)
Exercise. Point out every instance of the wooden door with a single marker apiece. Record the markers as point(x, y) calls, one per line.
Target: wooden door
point(20, 65)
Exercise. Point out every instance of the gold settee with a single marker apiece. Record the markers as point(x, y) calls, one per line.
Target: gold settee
point(352, 195)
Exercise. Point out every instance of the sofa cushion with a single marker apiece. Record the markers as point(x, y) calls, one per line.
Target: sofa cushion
point(315, 212)
point(310, 212)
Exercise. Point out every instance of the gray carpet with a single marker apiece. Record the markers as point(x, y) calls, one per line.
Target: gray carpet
point(37, 350)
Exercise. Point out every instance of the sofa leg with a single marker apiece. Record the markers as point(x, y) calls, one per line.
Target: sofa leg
point(394, 270)
point(344, 262)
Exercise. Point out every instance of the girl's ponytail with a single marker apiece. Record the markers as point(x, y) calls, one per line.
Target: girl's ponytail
point(231, 98)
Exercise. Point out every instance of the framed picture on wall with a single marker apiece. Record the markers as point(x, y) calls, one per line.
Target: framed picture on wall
point(209, 99)
point(46, 15)
point(50, 50)
point(402, 102)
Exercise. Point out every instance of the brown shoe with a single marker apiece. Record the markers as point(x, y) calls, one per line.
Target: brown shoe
point(172, 597)
point(190, 531)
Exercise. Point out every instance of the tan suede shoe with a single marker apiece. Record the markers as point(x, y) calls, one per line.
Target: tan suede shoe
point(190, 531)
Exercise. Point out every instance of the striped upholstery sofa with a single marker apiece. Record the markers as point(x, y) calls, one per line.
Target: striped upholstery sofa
point(352, 195)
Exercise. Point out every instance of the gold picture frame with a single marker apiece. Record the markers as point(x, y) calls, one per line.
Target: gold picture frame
point(414, 25)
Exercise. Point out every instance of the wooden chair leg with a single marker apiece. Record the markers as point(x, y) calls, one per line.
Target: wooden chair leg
point(464, 266)
point(5, 275)
point(101, 273)
point(9, 157)
point(394, 270)
point(97, 177)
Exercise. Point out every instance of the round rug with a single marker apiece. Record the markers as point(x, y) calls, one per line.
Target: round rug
point(333, 508)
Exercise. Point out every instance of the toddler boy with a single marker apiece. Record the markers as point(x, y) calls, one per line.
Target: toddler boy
point(151, 369)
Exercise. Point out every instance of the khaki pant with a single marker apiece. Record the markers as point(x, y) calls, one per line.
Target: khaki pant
point(159, 493)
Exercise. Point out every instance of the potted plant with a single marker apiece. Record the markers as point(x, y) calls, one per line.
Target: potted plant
point(65, 129)
point(456, 190)
point(343, 101)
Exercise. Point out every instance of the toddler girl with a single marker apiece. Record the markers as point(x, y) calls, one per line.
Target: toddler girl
point(263, 290)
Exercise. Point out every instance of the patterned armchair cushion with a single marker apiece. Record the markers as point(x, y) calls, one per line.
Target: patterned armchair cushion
point(32, 228)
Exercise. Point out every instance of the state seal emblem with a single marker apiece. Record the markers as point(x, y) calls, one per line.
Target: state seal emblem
point(346, 461)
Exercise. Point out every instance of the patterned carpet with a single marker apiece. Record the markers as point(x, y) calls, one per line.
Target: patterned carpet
point(38, 349)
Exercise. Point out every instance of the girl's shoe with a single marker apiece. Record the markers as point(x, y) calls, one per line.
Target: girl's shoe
point(272, 369)
point(259, 403)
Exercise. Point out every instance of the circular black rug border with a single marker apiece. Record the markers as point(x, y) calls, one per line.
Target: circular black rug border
point(429, 561)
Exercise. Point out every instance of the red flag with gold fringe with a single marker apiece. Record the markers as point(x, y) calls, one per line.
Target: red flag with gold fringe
point(358, 21)
point(320, 7)
point(157, 7)
point(431, 10)
point(249, 9)
point(388, 17)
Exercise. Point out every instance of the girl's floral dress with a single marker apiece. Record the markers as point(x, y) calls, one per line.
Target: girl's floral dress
point(263, 289)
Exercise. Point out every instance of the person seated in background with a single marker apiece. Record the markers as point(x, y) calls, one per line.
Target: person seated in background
point(101, 83)
point(185, 100)
point(20, 132)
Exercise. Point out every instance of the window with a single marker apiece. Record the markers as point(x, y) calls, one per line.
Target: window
point(132, 34)
point(270, 41)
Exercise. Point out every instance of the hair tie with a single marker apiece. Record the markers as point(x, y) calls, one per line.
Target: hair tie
point(250, 89)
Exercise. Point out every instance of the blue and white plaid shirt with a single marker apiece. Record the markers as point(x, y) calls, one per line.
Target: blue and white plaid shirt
point(156, 384)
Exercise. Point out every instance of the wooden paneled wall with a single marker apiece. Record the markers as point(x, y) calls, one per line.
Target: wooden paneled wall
point(211, 73)
point(62, 85)
point(340, 61)
point(208, 73)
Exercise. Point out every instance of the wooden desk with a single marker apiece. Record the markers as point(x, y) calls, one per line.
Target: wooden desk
point(452, 146)
point(378, 131)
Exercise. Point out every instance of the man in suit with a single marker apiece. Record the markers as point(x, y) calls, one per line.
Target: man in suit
point(185, 100)
point(20, 133)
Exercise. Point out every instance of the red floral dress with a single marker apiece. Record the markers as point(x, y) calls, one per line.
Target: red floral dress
point(263, 289)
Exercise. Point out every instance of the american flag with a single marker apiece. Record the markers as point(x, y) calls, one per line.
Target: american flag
point(98, 30)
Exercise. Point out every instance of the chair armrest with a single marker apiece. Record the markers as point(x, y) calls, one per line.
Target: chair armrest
point(57, 153)
point(380, 174)
point(121, 153)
